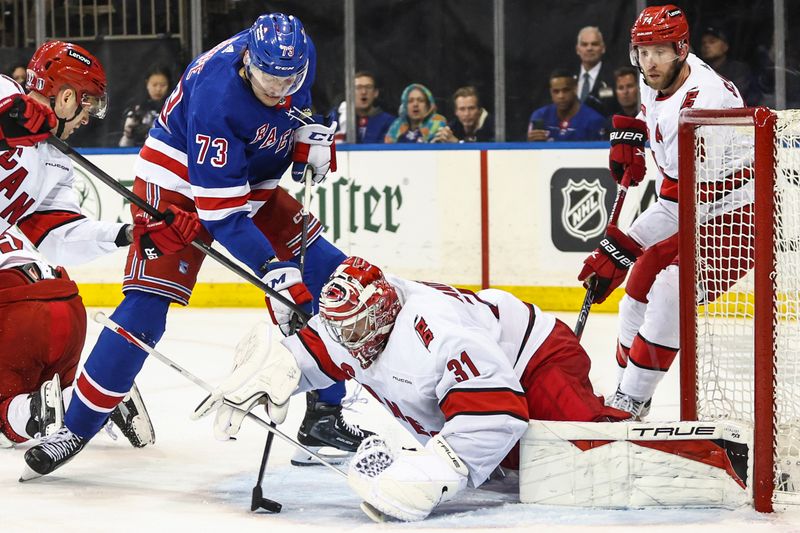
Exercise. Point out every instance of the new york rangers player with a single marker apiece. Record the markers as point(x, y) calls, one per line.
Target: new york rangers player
point(463, 372)
point(42, 319)
point(234, 123)
point(672, 79)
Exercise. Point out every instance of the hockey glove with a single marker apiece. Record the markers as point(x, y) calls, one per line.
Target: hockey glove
point(314, 146)
point(609, 263)
point(260, 376)
point(154, 239)
point(24, 121)
point(408, 485)
point(628, 136)
point(285, 278)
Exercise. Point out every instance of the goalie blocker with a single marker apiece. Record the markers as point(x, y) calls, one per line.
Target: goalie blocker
point(624, 464)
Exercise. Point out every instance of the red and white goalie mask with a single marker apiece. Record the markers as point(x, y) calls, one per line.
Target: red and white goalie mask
point(358, 308)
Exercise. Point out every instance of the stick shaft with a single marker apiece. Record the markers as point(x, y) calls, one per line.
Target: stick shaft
point(139, 202)
point(107, 322)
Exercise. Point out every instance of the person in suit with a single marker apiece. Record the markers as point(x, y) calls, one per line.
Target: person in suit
point(595, 77)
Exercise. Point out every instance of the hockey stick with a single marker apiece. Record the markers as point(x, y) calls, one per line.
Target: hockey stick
point(98, 173)
point(258, 497)
point(107, 322)
point(583, 314)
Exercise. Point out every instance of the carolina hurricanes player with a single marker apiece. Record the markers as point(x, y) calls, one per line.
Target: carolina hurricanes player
point(42, 319)
point(672, 79)
point(239, 116)
point(462, 371)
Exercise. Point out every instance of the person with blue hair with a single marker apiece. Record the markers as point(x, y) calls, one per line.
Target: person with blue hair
point(238, 117)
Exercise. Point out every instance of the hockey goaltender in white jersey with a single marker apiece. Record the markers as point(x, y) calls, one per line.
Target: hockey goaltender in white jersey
point(463, 372)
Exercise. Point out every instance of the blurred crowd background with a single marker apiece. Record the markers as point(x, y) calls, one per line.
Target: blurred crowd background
point(444, 48)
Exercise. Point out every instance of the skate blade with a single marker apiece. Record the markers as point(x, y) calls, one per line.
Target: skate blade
point(28, 474)
point(374, 514)
point(333, 455)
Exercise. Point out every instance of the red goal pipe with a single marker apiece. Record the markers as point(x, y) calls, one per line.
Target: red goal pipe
point(764, 121)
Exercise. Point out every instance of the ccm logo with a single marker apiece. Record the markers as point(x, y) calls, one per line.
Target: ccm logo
point(626, 135)
point(669, 431)
point(320, 136)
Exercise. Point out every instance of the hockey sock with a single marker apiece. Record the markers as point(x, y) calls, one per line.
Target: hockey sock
point(14, 415)
point(113, 364)
point(332, 395)
point(648, 364)
point(623, 353)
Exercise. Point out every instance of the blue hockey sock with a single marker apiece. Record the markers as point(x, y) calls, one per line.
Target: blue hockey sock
point(113, 364)
point(333, 394)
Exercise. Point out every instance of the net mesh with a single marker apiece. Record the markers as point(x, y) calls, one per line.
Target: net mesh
point(725, 250)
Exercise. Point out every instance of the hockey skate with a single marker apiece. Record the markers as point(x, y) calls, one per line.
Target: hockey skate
point(47, 410)
point(132, 419)
point(325, 432)
point(637, 408)
point(53, 452)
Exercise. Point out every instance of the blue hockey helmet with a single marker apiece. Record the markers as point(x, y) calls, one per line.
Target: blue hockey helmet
point(277, 54)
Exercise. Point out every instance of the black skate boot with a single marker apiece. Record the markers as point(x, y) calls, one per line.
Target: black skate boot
point(53, 452)
point(131, 417)
point(325, 432)
point(47, 410)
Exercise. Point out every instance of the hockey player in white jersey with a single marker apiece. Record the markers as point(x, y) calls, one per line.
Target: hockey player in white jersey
point(463, 372)
point(672, 79)
point(42, 320)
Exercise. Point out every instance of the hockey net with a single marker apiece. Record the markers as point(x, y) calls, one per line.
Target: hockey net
point(740, 284)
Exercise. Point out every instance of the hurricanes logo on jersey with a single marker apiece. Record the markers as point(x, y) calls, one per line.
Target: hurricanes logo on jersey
point(423, 331)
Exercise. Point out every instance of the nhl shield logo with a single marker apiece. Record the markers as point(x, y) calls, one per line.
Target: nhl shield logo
point(584, 214)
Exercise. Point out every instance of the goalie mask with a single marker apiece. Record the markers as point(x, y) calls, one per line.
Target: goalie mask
point(358, 308)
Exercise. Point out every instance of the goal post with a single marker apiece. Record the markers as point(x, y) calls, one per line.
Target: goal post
point(739, 225)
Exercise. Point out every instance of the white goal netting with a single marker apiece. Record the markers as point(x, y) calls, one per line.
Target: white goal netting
point(726, 248)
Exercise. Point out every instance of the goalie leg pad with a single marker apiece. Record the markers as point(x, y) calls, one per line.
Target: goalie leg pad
point(637, 464)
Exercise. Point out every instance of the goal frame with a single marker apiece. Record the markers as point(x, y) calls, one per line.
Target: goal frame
point(764, 121)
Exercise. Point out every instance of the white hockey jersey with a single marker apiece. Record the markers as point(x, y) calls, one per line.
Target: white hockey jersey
point(703, 89)
point(36, 194)
point(452, 365)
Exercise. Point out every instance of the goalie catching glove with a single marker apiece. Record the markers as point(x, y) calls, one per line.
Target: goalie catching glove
point(172, 234)
point(24, 121)
point(409, 485)
point(609, 263)
point(260, 377)
point(314, 147)
point(285, 278)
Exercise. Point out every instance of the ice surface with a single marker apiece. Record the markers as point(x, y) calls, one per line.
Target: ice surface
point(190, 482)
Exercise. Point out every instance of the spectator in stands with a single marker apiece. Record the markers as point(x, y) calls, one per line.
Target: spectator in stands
point(566, 119)
point(595, 80)
point(18, 73)
point(140, 115)
point(714, 47)
point(626, 88)
point(372, 122)
point(418, 121)
point(472, 122)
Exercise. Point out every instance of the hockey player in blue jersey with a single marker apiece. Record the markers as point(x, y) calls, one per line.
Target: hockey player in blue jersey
point(239, 116)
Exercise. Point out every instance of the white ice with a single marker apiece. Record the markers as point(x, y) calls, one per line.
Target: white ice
point(188, 481)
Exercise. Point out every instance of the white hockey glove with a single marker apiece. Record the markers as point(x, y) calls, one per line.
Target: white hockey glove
point(285, 278)
point(314, 146)
point(407, 486)
point(260, 377)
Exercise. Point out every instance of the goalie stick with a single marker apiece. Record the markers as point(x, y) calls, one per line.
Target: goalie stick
point(264, 503)
point(583, 314)
point(98, 173)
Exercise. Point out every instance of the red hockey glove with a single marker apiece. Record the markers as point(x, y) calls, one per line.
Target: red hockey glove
point(627, 149)
point(284, 277)
point(24, 121)
point(314, 146)
point(609, 263)
point(154, 239)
